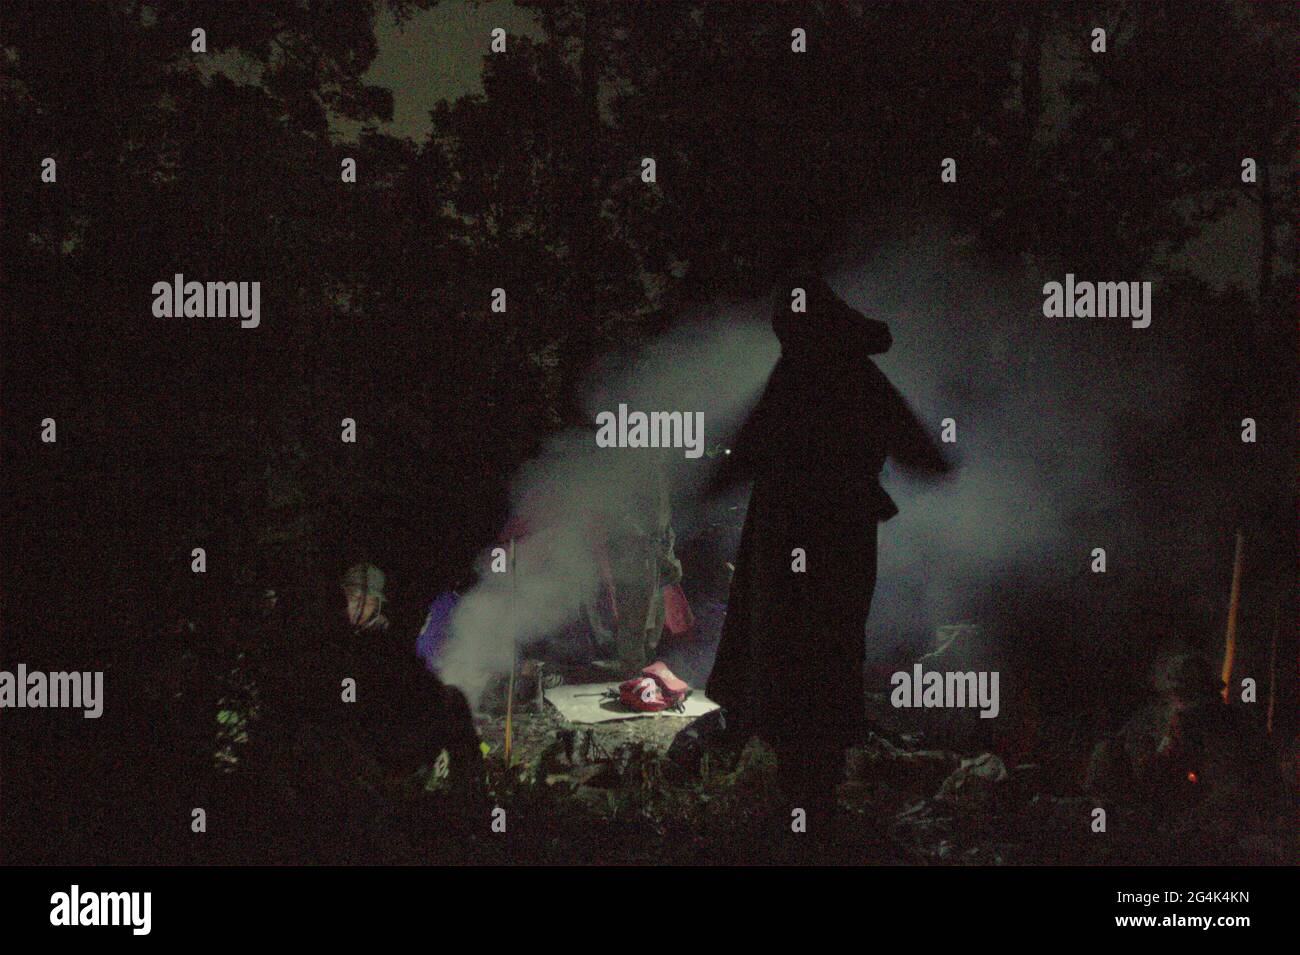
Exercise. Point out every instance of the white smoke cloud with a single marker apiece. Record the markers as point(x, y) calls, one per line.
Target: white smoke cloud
point(1035, 401)
point(714, 364)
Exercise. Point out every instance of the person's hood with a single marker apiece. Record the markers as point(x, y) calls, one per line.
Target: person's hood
point(830, 325)
point(365, 578)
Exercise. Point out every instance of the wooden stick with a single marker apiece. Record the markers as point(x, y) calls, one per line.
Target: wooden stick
point(514, 654)
point(1234, 602)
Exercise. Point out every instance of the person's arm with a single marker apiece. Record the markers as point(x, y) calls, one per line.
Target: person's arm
point(910, 445)
point(738, 467)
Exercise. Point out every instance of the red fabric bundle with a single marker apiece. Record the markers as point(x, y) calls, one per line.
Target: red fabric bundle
point(643, 694)
point(677, 612)
point(671, 686)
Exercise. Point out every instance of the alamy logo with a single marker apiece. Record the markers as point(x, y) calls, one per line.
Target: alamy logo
point(658, 429)
point(1098, 300)
point(103, 908)
point(950, 690)
point(38, 690)
point(179, 298)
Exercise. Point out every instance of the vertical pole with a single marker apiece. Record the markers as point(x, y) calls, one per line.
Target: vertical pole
point(510, 690)
point(1234, 601)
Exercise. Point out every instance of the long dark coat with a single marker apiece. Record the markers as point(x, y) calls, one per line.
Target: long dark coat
point(790, 662)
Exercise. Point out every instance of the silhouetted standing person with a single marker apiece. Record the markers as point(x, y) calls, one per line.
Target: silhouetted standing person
point(790, 662)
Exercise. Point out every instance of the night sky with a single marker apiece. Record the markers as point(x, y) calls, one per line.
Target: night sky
point(438, 54)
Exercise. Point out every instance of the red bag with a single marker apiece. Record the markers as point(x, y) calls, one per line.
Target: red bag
point(643, 694)
point(673, 687)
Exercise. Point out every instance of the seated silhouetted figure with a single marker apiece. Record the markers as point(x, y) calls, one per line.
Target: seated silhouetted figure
point(352, 726)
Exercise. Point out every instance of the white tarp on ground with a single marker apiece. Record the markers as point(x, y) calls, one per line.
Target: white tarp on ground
point(587, 703)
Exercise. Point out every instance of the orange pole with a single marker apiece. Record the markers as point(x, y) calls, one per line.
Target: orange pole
point(510, 691)
point(1234, 602)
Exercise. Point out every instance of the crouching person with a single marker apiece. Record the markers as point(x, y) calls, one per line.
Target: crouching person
point(356, 727)
point(418, 731)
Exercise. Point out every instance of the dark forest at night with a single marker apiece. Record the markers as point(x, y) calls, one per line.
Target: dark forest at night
point(648, 433)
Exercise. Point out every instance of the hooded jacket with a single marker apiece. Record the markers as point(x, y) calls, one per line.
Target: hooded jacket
point(828, 416)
